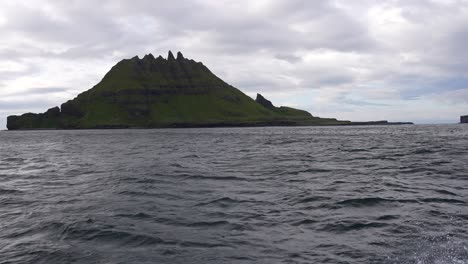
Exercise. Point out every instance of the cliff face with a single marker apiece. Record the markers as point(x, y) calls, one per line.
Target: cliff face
point(263, 101)
point(174, 92)
point(464, 119)
point(158, 92)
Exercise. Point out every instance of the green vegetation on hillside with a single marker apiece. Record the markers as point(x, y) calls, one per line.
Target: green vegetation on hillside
point(157, 92)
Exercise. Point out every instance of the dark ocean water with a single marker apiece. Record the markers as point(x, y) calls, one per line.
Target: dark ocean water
point(384, 194)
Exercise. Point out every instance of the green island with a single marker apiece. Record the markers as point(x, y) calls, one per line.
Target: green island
point(174, 92)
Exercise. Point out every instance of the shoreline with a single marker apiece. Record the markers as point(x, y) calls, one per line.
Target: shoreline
point(221, 125)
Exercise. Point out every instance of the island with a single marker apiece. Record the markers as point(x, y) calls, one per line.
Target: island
point(159, 93)
point(464, 119)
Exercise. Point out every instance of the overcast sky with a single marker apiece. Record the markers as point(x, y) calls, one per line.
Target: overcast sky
point(354, 60)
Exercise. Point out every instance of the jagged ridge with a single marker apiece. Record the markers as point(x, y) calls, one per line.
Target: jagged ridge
point(158, 92)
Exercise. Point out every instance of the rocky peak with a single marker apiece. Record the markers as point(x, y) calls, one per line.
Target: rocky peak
point(55, 111)
point(263, 101)
point(180, 56)
point(148, 57)
point(170, 56)
point(160, 59)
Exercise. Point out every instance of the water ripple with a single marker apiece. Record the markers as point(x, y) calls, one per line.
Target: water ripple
point(386, 194)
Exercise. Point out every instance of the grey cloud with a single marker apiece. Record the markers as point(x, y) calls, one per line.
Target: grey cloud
point(346, 100)
point(38, 91)
point(260, 84)
point(459, 96)
point(12, 74)
point(335, 80)
point(230, 37)
point(320, 77)
point(82, 24)
point(98, 31)
point(86, 33)
point(37, 99)
point(288, 57)
point(443, 32)
point(334, 31)
point(16, 53)
point(20, 105)
point(413, 87)
point(355, 102)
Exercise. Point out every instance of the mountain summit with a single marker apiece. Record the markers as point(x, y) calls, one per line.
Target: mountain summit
point(156, 92)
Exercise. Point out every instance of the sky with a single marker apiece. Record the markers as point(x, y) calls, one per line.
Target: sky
point(350, 59)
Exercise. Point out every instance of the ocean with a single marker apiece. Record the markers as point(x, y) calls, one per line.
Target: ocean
point(369, 194)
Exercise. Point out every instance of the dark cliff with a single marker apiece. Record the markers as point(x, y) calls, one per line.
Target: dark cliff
point(157, 92)
point(464, 119)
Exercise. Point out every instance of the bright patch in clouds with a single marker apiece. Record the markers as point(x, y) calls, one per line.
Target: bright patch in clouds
point(354, 60)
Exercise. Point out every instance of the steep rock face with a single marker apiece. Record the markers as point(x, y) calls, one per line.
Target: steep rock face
point(173, 92)
point(158, 92)
point(464, 119)
point(48, 120)
point(263, 101)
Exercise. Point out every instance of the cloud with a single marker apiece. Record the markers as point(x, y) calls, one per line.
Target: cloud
point(12, 70)
point(334, 55)
point(459, 96)
point(33, 103)
point(291, 58)
point(37, 91)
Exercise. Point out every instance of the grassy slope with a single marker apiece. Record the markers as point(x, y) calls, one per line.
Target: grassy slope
point(208, 100)
point(154, 92)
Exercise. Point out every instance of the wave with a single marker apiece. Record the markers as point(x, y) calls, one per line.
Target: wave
point(88, 230)
point(309, 170)
point(423, 151)
point(351, 226)
point(312, 199)
point(372, 201)
point(442, 249)
point(13, 160)
point(227, 225)
point(135, 216)
point(445, 192)
point(219, 178)
point(356, 150)
point(225, 202)
point(10, 191)
point(197, 244)
point(388, 217)
point(442, 200)
point(338, 195)
point(209, 223)
point(191, 156)
point(304, 222)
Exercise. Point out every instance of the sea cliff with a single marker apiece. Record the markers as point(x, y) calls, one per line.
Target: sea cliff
point(154, 92)
point(464, 119)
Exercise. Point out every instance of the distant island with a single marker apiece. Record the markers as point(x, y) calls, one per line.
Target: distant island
point(174, 92)
point(464, 119)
